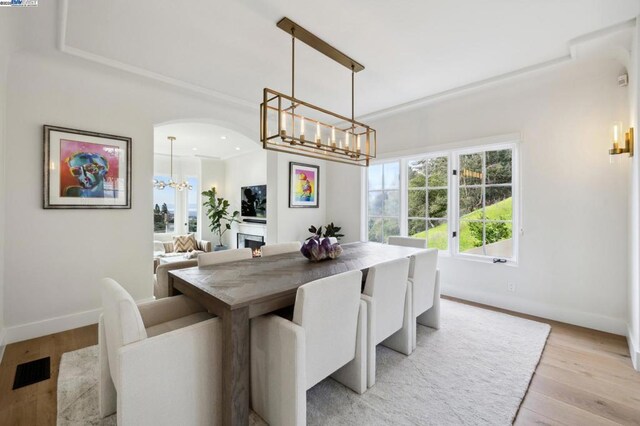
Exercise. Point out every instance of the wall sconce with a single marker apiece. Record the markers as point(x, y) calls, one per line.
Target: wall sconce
point(617, 136)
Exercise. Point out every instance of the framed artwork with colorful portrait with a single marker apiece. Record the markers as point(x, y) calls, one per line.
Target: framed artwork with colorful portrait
point(304, 180)
point(86, 170)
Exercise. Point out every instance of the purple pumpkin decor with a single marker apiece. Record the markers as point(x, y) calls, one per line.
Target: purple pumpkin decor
point(317, 249)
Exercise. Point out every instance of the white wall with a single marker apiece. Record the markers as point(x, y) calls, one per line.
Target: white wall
point(6, 46)
point(291, 224)
point(344, 199)
point(243, 170)
point(633, 332)
point(573, 262)
point(57, 257)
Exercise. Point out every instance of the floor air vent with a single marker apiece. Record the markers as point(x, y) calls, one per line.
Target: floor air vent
point(32, 372)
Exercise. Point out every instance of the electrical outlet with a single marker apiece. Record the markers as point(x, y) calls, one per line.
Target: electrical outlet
point(511, 287)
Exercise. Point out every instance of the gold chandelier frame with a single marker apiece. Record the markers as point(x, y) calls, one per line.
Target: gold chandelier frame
point(356, 143)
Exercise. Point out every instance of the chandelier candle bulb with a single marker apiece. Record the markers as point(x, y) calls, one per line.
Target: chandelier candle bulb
point(302, 129)
point(283, 125)
point(333, 135)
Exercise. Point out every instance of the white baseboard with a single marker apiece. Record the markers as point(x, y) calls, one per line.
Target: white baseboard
point(18, 333)
point(543, 310)
point(3, 344)
point(634, 351)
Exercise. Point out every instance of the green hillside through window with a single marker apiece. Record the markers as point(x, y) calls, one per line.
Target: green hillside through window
point(438, 235)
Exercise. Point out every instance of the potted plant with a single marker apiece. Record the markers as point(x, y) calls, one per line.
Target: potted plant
point(330, 231)
point(218, 214)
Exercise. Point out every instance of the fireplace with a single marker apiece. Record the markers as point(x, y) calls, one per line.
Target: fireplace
point(254, 242)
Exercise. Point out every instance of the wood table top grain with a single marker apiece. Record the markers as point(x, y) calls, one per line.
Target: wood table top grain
point(239, 284)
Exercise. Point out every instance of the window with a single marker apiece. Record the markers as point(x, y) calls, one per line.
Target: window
point(164, 208)
point(462, 202)
point(485, 203)
point(428, 200)
point(193, 205)
point(176, 211)
point(383, 200)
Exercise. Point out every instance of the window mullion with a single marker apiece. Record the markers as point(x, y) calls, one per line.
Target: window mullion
point(484, 202)
point(455, 204)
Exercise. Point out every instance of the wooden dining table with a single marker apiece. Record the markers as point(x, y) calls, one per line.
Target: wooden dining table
point(239, 291)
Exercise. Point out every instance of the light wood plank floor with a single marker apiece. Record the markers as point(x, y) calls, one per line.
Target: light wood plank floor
point(585, 377)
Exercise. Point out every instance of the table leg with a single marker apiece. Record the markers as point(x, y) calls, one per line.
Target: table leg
point(171, 290)
point(235, 367)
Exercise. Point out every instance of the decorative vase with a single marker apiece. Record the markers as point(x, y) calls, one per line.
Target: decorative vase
point(317, 249)
point(219, 248)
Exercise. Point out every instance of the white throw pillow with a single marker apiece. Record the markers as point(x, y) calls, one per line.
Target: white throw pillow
point(158, 247)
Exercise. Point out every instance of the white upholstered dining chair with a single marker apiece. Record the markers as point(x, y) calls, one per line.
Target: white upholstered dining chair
point(224, 256)
point(390, 321)
point(408, 242)
point(159, 361)
point(327, 336)
point(280, 248)
point(424, 278)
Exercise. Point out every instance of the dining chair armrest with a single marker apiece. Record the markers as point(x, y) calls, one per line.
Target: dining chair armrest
point(402, 340)
point(278, 374)
point(354, 374)
point(172, 378)
point(167, 309)
point(371, 338)
point(431, 318)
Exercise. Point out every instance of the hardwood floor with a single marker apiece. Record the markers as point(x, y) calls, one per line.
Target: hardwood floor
point(36, 404)
point(585, 377)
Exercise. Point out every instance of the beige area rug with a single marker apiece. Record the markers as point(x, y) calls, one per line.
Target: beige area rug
point(475, 370)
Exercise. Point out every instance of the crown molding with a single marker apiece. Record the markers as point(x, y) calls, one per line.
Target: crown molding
point(573, 46)
point(572, 54)
point(63, 47)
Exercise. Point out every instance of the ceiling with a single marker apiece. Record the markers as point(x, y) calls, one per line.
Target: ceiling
point(201, 140)
point(411, 49)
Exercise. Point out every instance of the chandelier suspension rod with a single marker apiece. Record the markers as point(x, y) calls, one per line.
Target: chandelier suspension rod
point(353, 96)
point(293, 65)
point(171, 166)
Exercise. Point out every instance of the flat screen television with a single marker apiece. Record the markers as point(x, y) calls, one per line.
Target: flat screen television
point(253, 205)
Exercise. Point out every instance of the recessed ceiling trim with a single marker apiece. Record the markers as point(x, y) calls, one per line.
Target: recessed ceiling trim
point(462, 89)
point(62, 24)
point(573, 46)
point(62, 45)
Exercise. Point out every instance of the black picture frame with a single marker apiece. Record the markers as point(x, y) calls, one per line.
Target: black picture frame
point(315, 186)
point(54, 196)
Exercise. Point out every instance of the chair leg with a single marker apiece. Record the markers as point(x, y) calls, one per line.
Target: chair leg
point(354, 374)
point(431, 317)
point(402, 340)
point(106, 390)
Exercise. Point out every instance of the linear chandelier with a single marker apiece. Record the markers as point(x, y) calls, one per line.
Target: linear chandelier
point(293, 126)
point(160, 184)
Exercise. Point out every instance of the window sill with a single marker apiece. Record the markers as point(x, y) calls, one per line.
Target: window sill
point(482, 259)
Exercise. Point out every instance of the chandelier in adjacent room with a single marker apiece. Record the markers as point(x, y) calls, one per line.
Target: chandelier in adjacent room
point(160, 184)
point(290, 125)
